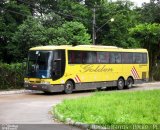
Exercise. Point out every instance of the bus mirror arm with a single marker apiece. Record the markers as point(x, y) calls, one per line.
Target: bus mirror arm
point(57, 60)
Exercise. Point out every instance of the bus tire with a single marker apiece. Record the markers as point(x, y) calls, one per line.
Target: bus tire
point(129, 83)
point(68, 88)
point(120, 84)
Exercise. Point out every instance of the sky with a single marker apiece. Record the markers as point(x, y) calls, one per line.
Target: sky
point(139, 2)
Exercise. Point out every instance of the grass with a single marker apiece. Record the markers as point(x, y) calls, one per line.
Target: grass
point(108, 108)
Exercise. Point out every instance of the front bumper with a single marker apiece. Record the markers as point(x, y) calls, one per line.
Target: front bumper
point(44, 87)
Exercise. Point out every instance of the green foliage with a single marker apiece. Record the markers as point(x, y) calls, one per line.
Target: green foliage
point(146, 33)
point(11, 76)
point(51, 20)
point(29, 34)
point(12, 15)
point(116, 32)
point(108, 108)
point(150, 12)
point(73, 33)
point(156, 73)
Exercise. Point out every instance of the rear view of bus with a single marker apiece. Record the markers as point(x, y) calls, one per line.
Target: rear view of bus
point(68, 68)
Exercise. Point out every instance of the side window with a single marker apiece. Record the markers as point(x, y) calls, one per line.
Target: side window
point(70, 60)
point(103, 57)
point(144, 55)
point(89, 57)
point(77, 57)
point(137, 58)
point(74, 57)
point(127, 58)
point(115, 57)
point(82, 57)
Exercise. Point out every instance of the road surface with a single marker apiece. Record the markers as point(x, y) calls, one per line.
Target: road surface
point(34, 108)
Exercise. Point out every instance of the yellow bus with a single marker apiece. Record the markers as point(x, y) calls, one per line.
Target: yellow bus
point(82, 67)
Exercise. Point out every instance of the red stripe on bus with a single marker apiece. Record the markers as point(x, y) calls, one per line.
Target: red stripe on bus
point(136, 72)
point(78, 78)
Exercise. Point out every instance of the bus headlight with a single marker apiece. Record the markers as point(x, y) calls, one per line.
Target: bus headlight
point(26, 81)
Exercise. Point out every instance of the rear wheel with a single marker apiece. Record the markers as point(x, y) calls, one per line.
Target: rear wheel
point(68, 88)
point(129, 83)
point(120, 84)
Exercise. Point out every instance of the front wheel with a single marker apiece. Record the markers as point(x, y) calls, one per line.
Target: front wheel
point(120, 84)
point(68, 88)
point(129, 83)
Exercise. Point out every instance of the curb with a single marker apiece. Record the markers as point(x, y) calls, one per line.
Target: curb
point(16, 92)
point(69, 121)
point(149, 83)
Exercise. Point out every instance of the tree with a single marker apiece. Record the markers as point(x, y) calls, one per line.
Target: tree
point(11, 16)
point(148, 35)
point(116, 33)
point(29, 34)
point(72, 33)
point(150, 12)
point(51, 20)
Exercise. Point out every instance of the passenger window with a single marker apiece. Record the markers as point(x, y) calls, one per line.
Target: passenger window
point(74, 57)
point(89, 57)
point(103, 57)
point(137, 58)
point(127, 58)
point(82, 57)
point(115, 57)
point(144, 58)
point(78, 57)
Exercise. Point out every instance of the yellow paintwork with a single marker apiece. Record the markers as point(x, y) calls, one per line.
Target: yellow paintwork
point(93, 72)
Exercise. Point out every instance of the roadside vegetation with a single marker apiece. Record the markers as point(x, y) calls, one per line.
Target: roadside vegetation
point(11, 76)
point(108, 108)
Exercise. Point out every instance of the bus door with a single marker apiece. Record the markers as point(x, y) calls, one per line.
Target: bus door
point(58, 66)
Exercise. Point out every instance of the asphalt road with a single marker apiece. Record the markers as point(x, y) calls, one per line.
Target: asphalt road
point(31, 110)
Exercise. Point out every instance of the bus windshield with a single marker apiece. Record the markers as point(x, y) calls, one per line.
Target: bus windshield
point(39, 64)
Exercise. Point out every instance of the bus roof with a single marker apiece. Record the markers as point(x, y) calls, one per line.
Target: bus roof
point(88, 48)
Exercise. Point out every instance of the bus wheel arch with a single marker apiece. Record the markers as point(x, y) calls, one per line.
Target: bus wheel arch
point(129, 82)
point(69, 86)
point(120, 83)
